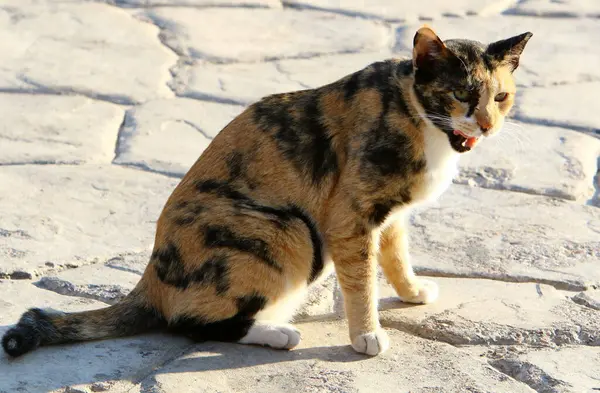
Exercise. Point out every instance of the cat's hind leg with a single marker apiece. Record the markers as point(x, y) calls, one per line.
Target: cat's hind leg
point(272, 334)
point(270, 327)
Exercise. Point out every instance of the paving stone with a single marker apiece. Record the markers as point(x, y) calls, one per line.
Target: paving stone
point(571, 59)
point(534, 159)
point(58, 367)
point(554, 8)
point(298, 34)
point(88, 48)
point(168, 136)
point(508, 236)
point(406, 11)
point(98, 282)
point(57, 129)
point(71, 216)
point(567, 369)
point(323, 301)
point(487, 312)
point(247, 82)
point(325, 362)
point(564, 105)
point(575, 368)
point(89, 228)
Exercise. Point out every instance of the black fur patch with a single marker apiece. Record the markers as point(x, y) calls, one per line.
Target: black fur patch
point(221, 189)
point(170, 270)
point(169, 266)
point(318, 152)
point(235, 162)
point(388, 153)
point(404, 68)
point(278, 216)
point(228, 330)
point(304, 141)
point(382, 208)
point(380, 211)
point(188, 214)
point(236, 165)
point(221, 236)
point(214, 271)
point(352, 86)
point(317, 243)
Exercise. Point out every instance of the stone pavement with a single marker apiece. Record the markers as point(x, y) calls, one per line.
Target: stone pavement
point(104, 106)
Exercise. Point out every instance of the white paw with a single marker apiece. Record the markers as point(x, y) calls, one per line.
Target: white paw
point(280, 336)
point(372, 343)
point(428, 293)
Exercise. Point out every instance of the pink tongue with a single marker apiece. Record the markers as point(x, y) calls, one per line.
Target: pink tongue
point(471, 142)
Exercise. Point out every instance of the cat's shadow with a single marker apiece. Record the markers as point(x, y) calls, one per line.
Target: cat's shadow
point(54, 365)
point(210, 357)
point(100, 361)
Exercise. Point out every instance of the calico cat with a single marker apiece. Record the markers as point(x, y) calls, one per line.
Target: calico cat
point(300, 183)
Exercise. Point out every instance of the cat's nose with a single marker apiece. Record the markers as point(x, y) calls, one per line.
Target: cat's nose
point(485, 126)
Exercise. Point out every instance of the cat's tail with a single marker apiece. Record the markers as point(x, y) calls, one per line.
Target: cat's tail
point(37, 327)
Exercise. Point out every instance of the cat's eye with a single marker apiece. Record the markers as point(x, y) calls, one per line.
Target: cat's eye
point(500, 97)
point(461, 95)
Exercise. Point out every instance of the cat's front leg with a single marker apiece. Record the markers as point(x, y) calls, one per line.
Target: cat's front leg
point(356, 268)
point(395, 262)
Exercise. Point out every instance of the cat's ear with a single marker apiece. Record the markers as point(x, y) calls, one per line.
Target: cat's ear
point(428, 49)
point(509, 51)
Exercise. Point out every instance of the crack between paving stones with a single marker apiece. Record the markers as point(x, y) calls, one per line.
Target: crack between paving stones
point(124, 5)
point(211, 98)
point(146, 168)
point(339, 11)
point(195, 127)
point(280, 69)
point(436, 328)
point(161, 39)
point(595, 199)
point(42, 162)
point(529, 374)
point(561, 285)
point(66, 288)
point(127, 119)
point(43, 91)
point(195, 55)
point(38, 88)
point(375, 17)
point(129, 122)
point(591, 131)
point(40, 271)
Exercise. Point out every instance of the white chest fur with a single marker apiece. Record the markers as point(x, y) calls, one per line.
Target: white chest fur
point(441, 166)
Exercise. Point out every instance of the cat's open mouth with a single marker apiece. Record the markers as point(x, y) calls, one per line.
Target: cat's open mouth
point(463, 142)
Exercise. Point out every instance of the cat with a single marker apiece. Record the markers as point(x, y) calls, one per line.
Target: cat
point(297, 185)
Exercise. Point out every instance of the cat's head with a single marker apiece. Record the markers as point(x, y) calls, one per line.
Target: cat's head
point(466, 87)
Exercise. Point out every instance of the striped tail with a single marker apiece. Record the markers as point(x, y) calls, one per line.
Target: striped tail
point(39, 327)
